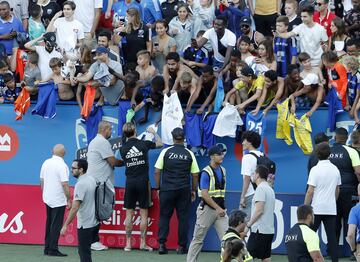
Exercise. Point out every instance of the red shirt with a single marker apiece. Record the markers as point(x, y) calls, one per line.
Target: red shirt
point(325, 22)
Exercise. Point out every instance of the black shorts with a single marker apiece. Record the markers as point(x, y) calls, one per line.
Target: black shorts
point(259, 245)
point(137, 191)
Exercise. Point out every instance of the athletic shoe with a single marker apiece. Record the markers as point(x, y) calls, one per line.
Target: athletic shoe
point(56, 254)
point(162, 249)
point(97, 246)
point(181, 250)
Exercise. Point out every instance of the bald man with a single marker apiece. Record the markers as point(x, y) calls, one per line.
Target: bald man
point(101, 164)
point(54, 180)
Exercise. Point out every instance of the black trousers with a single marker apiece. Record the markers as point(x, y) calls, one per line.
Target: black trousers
point(329, 222)
point(54, 221)
point(180, 200)
point(344, 205)
point(86, 237)
point(265, 23)
point(96, 235)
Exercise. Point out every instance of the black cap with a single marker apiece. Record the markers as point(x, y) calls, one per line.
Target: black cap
point(178, 133)
point(321, 137)
point(247, 71)
point(216, 150)
point(341, 131)
point(245, 20)
point(50, 37)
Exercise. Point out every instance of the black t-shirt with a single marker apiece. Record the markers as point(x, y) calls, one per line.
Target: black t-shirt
point(297, 21)
point(177, 168)
point(341, 159)
point(295, 245)
point(49, 12)
point(168, 10)
point(135, 42)
point(134, 152)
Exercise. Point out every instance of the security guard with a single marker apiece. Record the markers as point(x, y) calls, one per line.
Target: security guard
point(211, 210)
point(174, 165)
point(236, 228)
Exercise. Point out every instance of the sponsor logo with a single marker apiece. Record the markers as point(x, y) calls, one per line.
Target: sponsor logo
point(133, 152)
point(15, 225)
point(9, 142)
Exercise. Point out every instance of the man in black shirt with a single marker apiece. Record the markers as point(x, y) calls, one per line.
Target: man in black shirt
point(134, 152)
point(174, 166)
point(346, 159)
point(169, 9)
point(313, 159)
point(302, 243)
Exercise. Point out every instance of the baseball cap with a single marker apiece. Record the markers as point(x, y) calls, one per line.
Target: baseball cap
point(178, 133)
point(102, 49)
point(216, 150)
point(247, 71)
point(321, 137)
point(50, 37)
point(245, 21)
point(310, 79)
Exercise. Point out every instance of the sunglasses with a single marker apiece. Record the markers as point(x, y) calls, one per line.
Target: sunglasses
point(245, 26)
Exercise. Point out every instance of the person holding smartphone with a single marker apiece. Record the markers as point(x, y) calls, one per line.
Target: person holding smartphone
point(134, 35)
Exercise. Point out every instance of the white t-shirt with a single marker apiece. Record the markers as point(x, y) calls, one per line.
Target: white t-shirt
point(85, 12)
point(44, 59)
point(248, 166)
point(325, 177)
point(54, 171)
point(227, 122)
point(68, 33)
point(228, 39)
point(310, 41)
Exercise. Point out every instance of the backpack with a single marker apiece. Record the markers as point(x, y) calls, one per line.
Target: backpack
point(104, 201)
point(265, 161)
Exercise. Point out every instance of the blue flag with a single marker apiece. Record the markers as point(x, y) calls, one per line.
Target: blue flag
point(193, 129)
point(47, 98)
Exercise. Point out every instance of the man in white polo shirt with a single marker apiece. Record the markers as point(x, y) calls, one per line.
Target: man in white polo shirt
point(54, 180)
point(88, 12)
point(324, 181)
point(69, 31)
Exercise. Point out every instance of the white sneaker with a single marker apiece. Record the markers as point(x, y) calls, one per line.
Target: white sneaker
point(97, 246)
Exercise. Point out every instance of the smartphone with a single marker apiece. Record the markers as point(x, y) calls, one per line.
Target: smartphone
point(156, 44)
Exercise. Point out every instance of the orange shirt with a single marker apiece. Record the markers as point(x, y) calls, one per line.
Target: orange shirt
point(338, 78)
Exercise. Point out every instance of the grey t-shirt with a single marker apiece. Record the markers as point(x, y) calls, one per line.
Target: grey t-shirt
point(159, 60)
point(265, 224)
point(31, 75)
point(85, 192)
point(99, 149)
point(112, 93)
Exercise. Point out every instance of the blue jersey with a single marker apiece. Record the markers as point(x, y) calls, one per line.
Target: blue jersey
point(220, 94)
point(92, 122)
point(47, 98)
point(121, 7)
point(196, 55)
point(353, 86)
point(335, 107)
point(354, 219)
point(12, 94)
point(193, 129)
point(257, 124)
point(209, 139)
point(285, 49)
point(152, 11)
point(124, 106)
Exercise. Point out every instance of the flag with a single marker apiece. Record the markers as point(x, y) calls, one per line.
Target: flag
point(47, 98)
point(22, 104)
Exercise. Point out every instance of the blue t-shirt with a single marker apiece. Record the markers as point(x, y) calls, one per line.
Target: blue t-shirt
point(354, 218)
point(205, 178)
point(152, 11)
point(121, 7)
point(5, 28)
point(353, 86)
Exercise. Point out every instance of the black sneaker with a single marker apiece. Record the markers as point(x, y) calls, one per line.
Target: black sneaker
point(352, 258)
point(181, 250)
point(56, 254)
point(162, 249)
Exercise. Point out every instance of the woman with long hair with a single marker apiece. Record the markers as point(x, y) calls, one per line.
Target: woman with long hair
point(233, 251)
point(162, 44)
point(266, 60)
point(135, 36)
point(339, 37)
point(181, 27)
